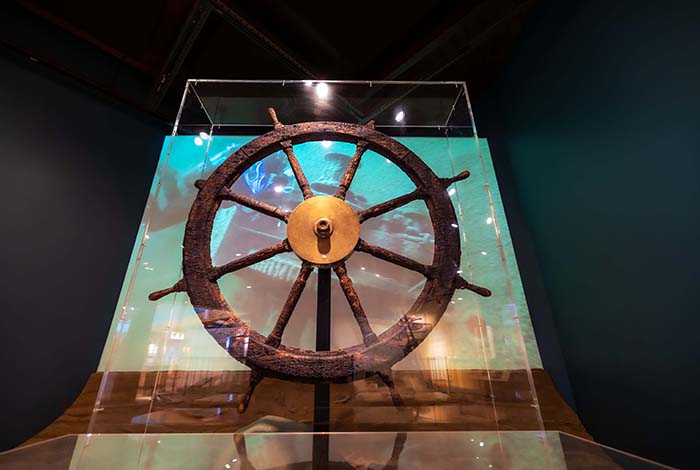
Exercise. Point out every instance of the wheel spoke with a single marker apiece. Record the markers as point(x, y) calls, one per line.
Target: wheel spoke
point(217, 271)
point(179, 286)
point(389, 205)
point(368, 335)
point(388, 379)
point(275, 337)
point(273, 115)
point(446, 182)
point(394, 258)
point(350, 171)
point(461, 283)
point(258, 206)
point(255, 378)
point(296, 168)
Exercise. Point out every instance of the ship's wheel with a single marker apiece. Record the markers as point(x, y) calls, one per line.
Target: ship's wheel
point(323, 231)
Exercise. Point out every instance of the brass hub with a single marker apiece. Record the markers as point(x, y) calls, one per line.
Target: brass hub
point(323, 230)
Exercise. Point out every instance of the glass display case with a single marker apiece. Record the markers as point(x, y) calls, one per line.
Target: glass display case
point(506, 450)
point(323, 278)
point(166, 370)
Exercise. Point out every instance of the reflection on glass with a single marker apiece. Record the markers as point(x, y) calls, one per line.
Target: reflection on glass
point(180, 364)
point(525, 450)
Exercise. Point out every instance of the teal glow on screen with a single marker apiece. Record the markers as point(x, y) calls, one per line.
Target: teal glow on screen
point(474, 332)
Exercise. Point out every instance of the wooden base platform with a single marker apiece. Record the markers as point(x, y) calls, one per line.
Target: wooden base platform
point(206, 401)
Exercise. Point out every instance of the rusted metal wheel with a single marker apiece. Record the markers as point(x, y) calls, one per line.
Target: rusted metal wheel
point(332, 227)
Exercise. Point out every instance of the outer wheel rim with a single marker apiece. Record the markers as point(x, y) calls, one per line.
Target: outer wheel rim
point(247, 345)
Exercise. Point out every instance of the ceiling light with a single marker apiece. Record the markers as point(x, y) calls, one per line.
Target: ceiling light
point(399, 116)
point(204, 136)
point(322, 90)
point(308, 83)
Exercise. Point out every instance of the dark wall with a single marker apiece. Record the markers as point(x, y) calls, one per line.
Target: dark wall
point(75, 176)
point(597, 115)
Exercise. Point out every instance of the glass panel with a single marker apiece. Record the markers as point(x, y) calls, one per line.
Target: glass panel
point(580, 454)
point(55, 454)
point(401, 451)
point(166, 371)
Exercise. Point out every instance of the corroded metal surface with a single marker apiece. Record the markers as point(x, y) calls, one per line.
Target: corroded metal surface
point(267, 356)
point(352, 169)
point(384, 207)
point(368, 335)
point(275, 337)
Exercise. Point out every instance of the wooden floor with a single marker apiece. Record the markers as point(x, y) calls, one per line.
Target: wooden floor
point(205, 402)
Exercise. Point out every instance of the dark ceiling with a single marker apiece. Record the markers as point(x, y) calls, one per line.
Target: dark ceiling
point(142, 52)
